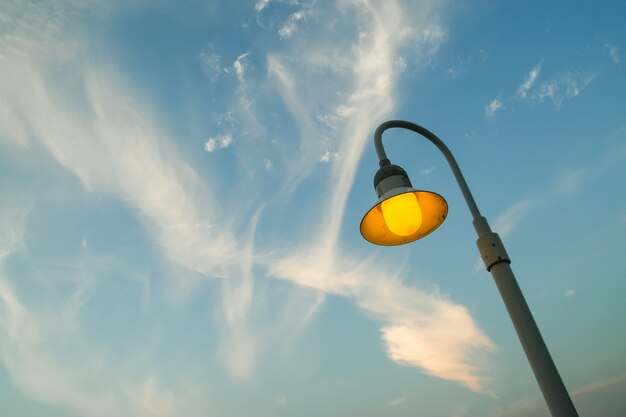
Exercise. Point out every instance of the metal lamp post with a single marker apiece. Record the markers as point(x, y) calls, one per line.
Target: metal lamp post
point(403, 214)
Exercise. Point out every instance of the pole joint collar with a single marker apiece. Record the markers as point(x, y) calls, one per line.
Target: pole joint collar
point(492, 250)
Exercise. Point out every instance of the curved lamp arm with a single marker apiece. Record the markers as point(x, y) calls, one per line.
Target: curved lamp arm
point(382, 156)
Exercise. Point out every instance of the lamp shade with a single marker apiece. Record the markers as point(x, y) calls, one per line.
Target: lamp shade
point(403, 215)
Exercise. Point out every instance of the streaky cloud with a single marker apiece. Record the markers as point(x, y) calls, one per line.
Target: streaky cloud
point(567, 183)
point(420, 329)
point(115, 148)
point(598, 398)
point(564, 86)
point(529, 82)
point(107, 138)
point(238, 348)
point(410, 316)
point(493, 107)
point(49, 359)
point(614, 53)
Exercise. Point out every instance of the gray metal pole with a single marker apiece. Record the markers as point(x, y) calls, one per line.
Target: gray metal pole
point(498, 263)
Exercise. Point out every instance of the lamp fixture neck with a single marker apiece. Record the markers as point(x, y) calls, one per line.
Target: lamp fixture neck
point(384, 161)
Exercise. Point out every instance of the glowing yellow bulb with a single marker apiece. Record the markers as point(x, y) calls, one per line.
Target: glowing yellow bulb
point(402, 214)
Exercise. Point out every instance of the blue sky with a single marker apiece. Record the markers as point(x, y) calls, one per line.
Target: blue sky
point(181, 187)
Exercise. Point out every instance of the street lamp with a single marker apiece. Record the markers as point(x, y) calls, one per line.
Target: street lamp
point(403, 214)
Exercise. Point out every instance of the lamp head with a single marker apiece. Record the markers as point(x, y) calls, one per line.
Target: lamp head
point(402, 214)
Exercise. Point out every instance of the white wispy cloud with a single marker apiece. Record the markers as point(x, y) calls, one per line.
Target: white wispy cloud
point(512, 216)
point(394, 402)
point(300, 166)
point(261, 4)
point(210, 63)
point(327, 156)
point(113, 144)
point(47, 357)
point(567, 183)
point(614, 53)
point(412, 318)
point(464, 65)
point(562, 87)
point(218, 142)
point(291, 25)
point(524, 88)
point(570, 293)
point(238, 347)
point(423, 330)
point(11, 229)
point(428, 170)
point(493, 107)
point(240, 67)
point(429, 40)
point(599, 398)
point(375, 77)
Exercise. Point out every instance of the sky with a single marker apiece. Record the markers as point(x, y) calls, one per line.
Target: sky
point(181, 187)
